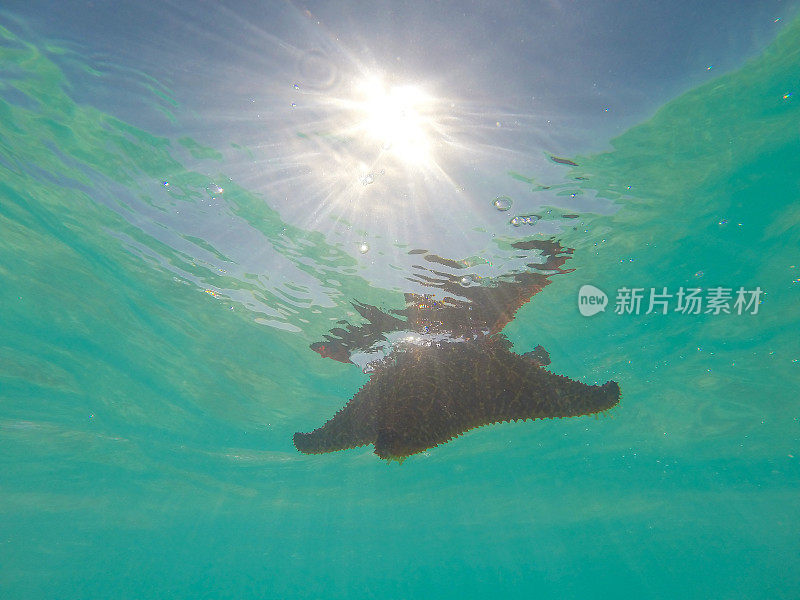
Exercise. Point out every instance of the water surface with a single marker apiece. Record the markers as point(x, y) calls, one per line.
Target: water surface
point(158, 308)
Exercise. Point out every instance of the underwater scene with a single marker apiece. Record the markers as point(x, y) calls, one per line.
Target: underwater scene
point(399, 300)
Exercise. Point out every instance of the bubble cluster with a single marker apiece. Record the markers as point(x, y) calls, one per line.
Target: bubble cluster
point(502, 203)
point(524, 220)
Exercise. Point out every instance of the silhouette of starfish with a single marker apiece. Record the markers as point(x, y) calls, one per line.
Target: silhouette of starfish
point(423, 395)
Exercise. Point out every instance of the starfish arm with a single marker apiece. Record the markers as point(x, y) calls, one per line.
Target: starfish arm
point(350, 427)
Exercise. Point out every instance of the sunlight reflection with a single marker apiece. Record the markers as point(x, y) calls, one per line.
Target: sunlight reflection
point(373, 153)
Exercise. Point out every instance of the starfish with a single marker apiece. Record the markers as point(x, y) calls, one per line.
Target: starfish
point(423, 395)
point(427, 395)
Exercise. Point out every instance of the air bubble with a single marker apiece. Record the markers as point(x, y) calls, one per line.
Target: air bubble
point(363, 247)
point(317, 71)
point(524, 220)
point(367, 179)
point(502, 203)
point(471, 280)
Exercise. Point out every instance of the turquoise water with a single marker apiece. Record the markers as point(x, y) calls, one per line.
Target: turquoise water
point(150, 383)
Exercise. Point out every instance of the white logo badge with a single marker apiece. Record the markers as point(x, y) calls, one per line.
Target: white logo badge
point(591, 300)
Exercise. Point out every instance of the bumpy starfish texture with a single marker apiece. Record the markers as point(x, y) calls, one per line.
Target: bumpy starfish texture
point(423, 396)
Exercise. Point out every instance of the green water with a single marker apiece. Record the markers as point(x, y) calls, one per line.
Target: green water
point(145, 426)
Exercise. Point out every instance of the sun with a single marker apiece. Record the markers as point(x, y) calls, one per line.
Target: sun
point(400, 119)
point(379, 145)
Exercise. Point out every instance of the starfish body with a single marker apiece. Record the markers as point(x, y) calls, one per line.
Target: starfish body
point(424, 395)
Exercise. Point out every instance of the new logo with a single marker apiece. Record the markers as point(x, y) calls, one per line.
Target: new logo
point(591, 300)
